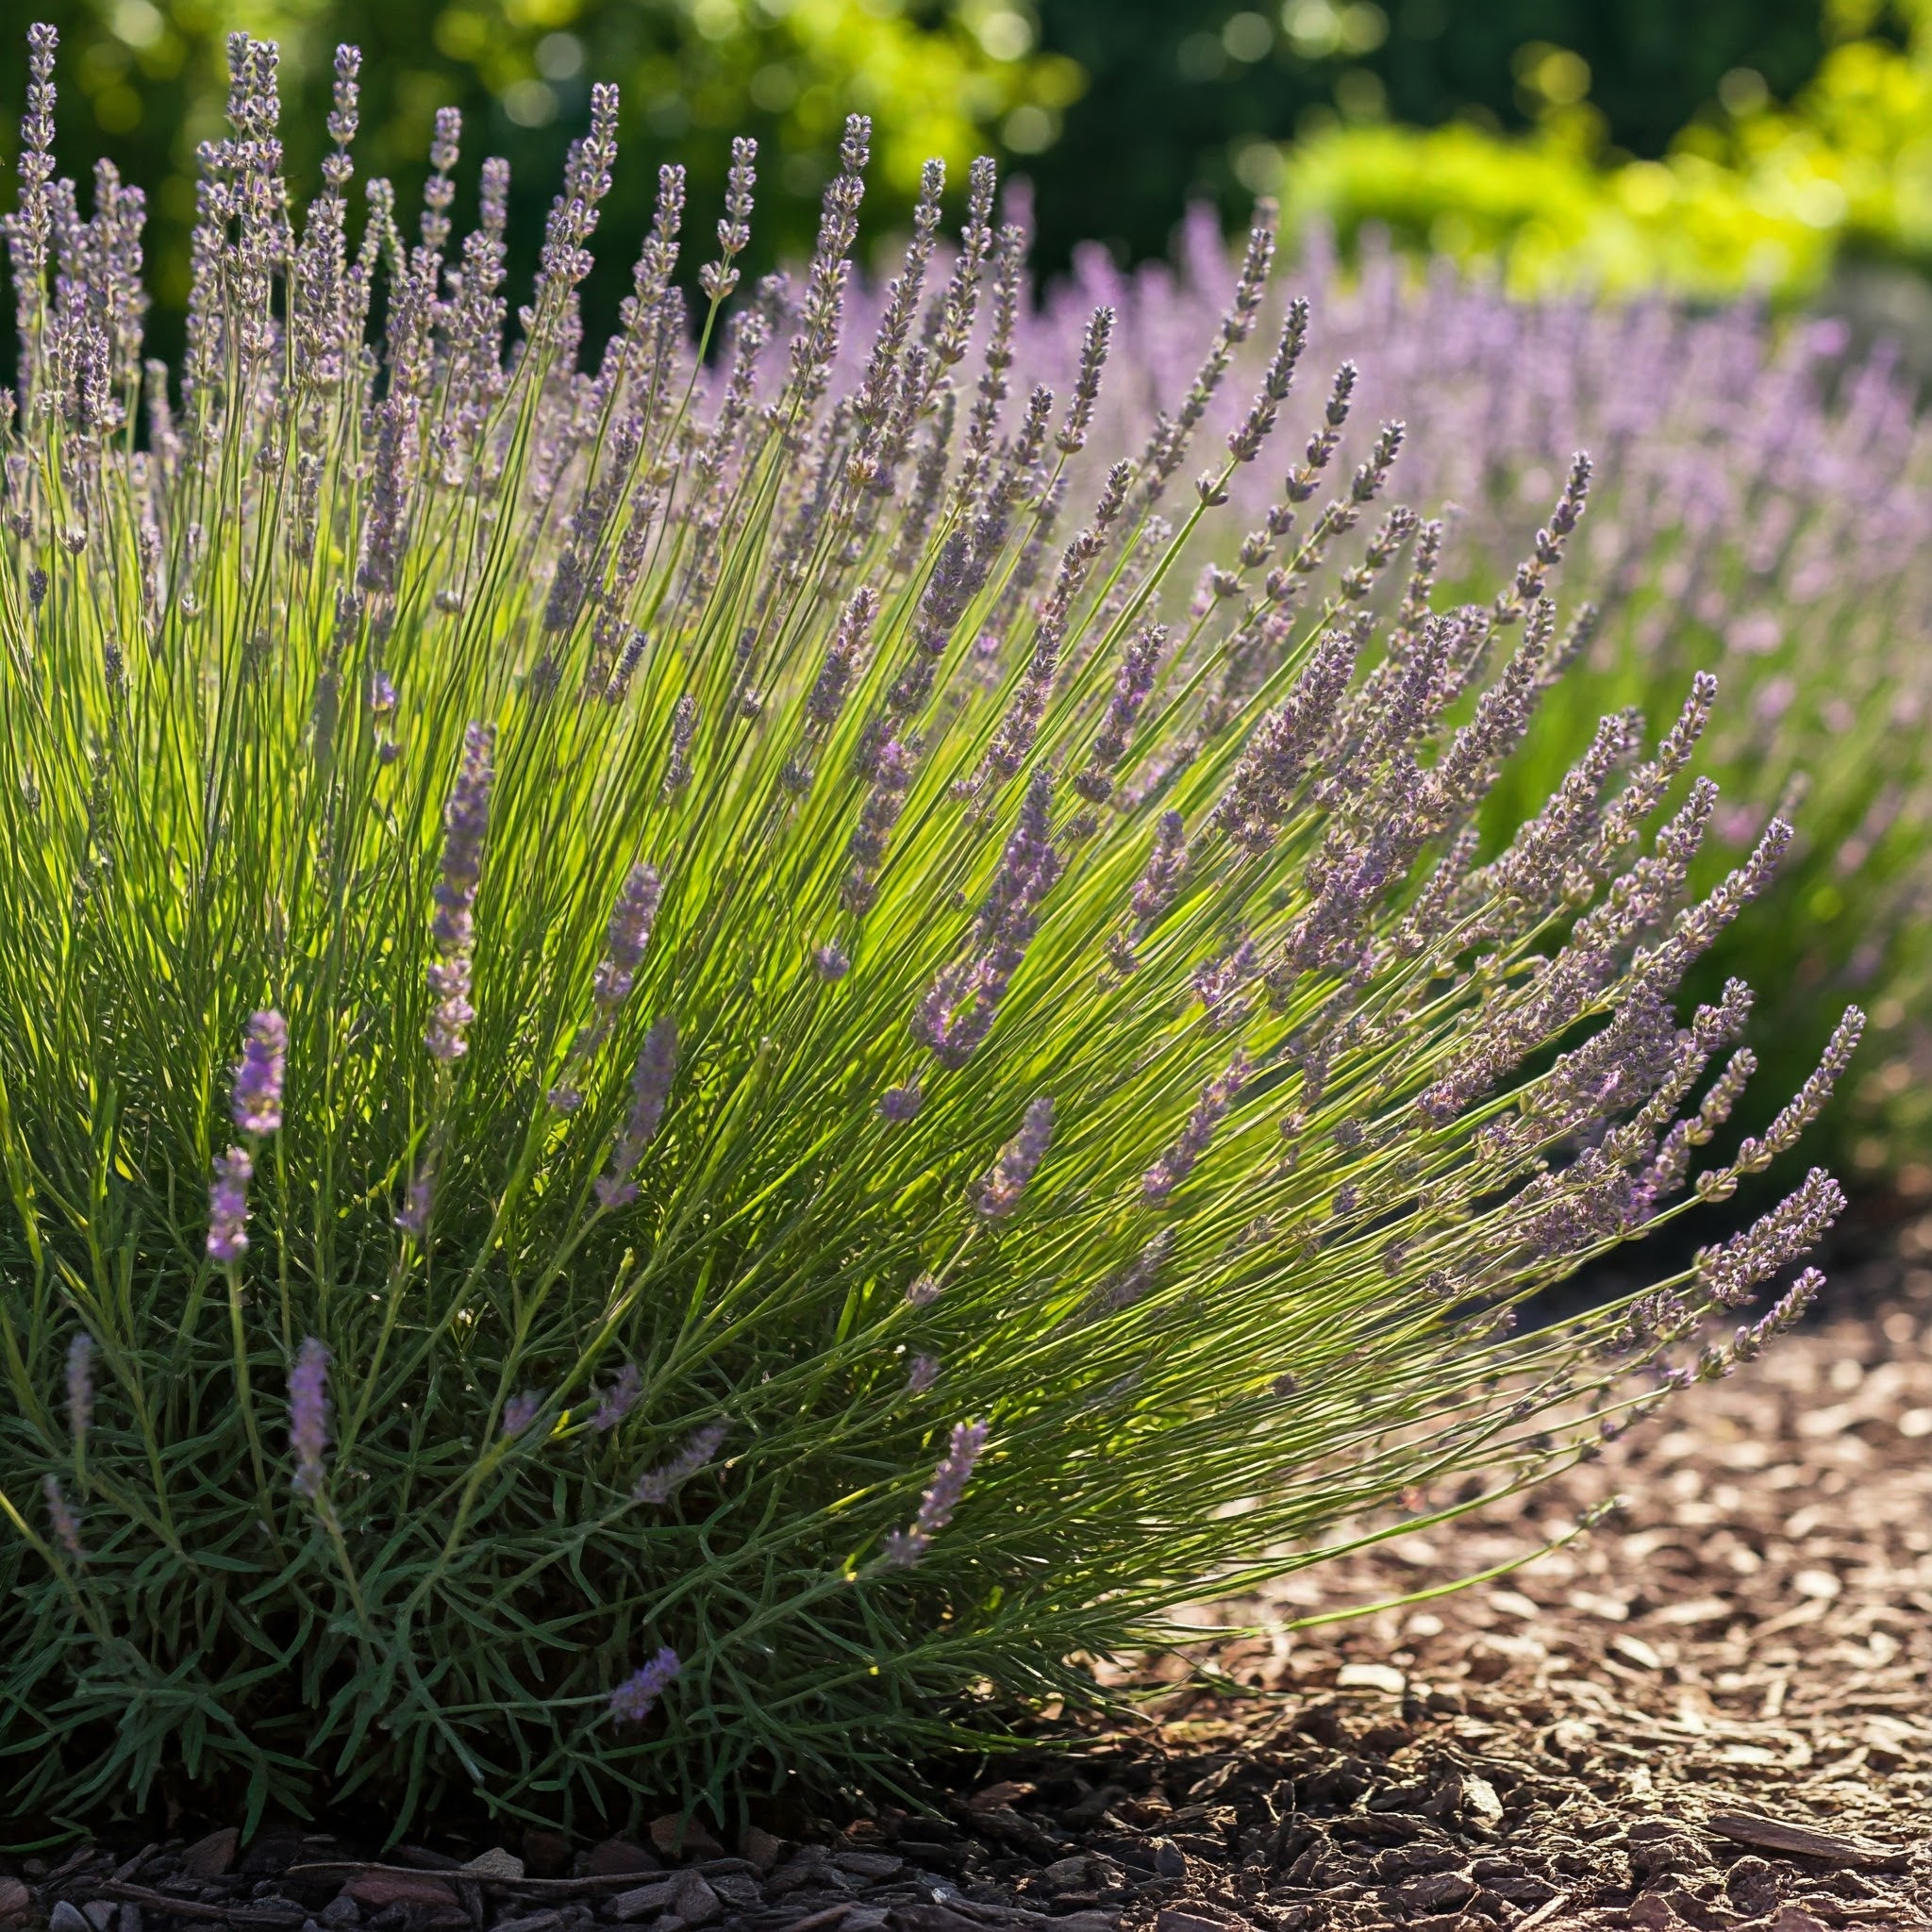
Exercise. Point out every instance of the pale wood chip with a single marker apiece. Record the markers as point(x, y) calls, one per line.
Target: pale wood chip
point(1804, 1841)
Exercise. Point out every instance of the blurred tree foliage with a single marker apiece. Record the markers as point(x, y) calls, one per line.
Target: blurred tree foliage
point(1120, 110)
point(1185, 99)
point(1750, 193)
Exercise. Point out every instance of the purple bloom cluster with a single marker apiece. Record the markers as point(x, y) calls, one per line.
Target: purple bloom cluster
point(80, 1386)
point(257, 1109)
point(999, 1192)
point(904, 1547)
point(61, 1517)
point(452, 930)
point(258, 1103)
point(521, 1410)
point(619, 1399)
point(1174, 1166)
point(308, 1408)
point(659, 1484)
point(635, 1699)
point(228, 1207)
point(650, 1087)
point(958, 1011)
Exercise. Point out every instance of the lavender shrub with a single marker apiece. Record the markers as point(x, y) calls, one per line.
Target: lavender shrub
point(1763, 509)
point(690, 1069)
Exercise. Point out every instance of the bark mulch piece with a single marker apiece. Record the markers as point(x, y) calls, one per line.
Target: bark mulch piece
point(1716, 1711)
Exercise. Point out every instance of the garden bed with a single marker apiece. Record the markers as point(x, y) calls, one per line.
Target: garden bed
point(1713, 1712)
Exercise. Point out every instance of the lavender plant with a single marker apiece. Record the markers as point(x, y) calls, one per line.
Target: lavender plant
point(1763, 509)
point(692, 1084)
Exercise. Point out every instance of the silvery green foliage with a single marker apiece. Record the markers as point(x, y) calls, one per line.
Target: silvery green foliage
point(689, 1070)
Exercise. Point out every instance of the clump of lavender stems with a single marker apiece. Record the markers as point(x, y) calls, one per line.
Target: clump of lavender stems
point(852, 672)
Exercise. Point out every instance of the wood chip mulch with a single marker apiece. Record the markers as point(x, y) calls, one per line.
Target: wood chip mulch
point(1714, 1711)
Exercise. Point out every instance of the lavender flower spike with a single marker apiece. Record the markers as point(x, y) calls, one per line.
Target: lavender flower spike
point(80, 1386)
point(629, 932)
point(258, 1102)
point(634, 1699)
point(1174, 1166)
point(650, 1087)
point(898, 1104)
point(619, 1399)
point(999, 1194)
point(905, 1547)
point(308, 1414)
point(658, 1485)
point(520, 1411)
point(228, 1207)
point(60, 1514)
point(453, 931)
point(414, 1217)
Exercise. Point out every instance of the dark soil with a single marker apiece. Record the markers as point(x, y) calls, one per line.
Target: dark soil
point(1714, 1711)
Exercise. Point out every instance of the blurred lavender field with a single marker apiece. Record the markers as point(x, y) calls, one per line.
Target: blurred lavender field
point(1762, 509)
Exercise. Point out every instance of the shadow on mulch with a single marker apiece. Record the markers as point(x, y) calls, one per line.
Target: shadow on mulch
point(1715, 1711)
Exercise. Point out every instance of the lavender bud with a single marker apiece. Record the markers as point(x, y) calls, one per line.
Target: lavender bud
point(905, 1547)
point(831, 961)
point(922, 1290)
point(921, 1374)
point(227, 1204)
point(80, 1386)
point(308, 1414)
point(258, 1102)
point(634, 1699)
point(1176, 1165)
point(413, 1216)
point(1783, 1313)
point(999, 1192)
point(659, 1484)
point(452, 931)
point(650, 1087)
point(1775, 1238)
point(897, 1104)
point(629, 933)
point(60, 1515)
point(520, 1411)
point(1158, 885)
point(619, 1399)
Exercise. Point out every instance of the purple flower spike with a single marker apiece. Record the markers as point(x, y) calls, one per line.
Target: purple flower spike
point(228, 1207)
point(308, 1414)
point(629, 933)
point(452, 931)
point(60, 1514)
point(634, 1699)
point(80, 1385)
point(258, 1102)
point(999, 1194)
point(921, 1374)
point(414, 1218)
point(650, 1087)
point(659, 1484)
point(905, 1547)
point(520, 1411)
point(897, 1104)
point(619, 1399)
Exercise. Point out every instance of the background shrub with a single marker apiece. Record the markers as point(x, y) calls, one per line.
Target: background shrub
point(1763, 510)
